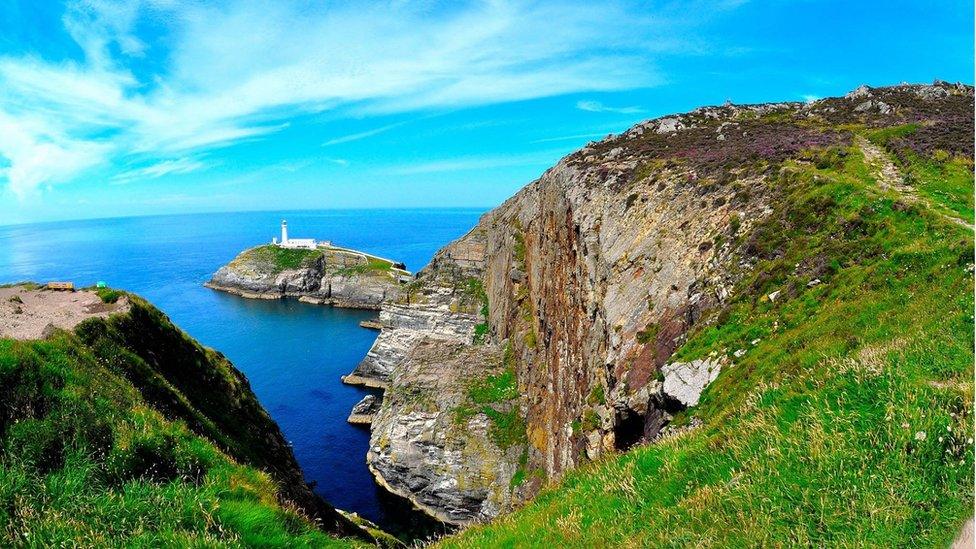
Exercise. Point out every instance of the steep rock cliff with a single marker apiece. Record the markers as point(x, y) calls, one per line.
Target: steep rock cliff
point(593, 274)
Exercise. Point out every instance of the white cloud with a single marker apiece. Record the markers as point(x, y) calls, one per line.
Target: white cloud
point(38, 153)
point(243, 70)
point(166, 167)
point(361, 135)
point(809, 98)
point(596, 106)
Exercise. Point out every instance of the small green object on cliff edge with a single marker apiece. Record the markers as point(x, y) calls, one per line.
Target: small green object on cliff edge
point(101, 284)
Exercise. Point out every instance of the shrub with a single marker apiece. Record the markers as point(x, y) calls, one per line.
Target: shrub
point(108, 295)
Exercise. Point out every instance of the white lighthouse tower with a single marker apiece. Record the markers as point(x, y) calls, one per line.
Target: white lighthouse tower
point(294, 243)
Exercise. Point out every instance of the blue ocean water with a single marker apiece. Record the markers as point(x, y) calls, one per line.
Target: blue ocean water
point(292, 353)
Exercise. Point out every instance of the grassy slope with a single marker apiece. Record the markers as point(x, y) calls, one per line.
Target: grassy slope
point(281, 259)
point(848, 424)
point(87, 460)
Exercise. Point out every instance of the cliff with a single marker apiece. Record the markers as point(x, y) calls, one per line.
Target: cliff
point(117, 428)
point(328, 275)
point(596, 276)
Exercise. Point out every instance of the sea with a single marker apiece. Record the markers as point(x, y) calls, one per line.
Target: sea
point(293, 353)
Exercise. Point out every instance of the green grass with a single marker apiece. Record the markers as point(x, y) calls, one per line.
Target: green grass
point(27, 285)
point(495, 395)
point(480, 333)
point(107, 295)
point(507, 426)
point(285, 258)
point(944, 180)
point(596, 396)
point(883, 136)
point(518, 248)
point(849, 424)
point(372, 265)
point(494, 388)
point(99, 446)
point(474, 292)
point(648, 334)
point(281, 259)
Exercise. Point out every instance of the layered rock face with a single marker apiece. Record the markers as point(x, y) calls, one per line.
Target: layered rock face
point(403, 326)
point(429, 446)
point(592, 276)
point(328, 276)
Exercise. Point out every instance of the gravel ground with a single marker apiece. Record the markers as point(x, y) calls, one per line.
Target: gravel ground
point(30, 314)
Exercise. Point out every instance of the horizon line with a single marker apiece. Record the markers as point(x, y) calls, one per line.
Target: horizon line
point(212, 212)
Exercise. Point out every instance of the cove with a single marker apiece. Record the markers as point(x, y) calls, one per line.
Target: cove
point(292, 353)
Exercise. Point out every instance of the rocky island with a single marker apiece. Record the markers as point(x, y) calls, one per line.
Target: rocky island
point(313, 272)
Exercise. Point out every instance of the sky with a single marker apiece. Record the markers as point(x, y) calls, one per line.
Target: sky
point(142, 107)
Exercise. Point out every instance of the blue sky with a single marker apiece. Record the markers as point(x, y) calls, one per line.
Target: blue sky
point(164, 106)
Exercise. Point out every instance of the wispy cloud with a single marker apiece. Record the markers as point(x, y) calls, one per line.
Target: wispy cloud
point(202, 86)
point(809, 98)
point(361, 135)
point(159, 169)
point(596, 106)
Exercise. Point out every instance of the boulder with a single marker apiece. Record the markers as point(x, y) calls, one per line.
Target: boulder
point(685, 381)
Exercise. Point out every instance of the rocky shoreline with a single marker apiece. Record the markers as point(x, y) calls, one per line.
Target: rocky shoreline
point(436, 439)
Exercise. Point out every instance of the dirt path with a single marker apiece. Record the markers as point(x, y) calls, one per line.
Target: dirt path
point(965, 539)
point(31, 313)
point(890, 177)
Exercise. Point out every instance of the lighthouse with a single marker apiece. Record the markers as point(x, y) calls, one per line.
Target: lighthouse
point(294, 243)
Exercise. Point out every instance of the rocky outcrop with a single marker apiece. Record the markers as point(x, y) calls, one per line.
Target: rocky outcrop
point(685, 381)
point(403, 326)
point(434, 445)
point(371, 324)
point(593, 274)
point(364, 410)
point(30, 312)
point(449, 434)
point(326, 276)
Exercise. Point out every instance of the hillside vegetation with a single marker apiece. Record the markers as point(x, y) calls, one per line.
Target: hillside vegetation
point(277, 259)
point(849, 419)
point(128, 433)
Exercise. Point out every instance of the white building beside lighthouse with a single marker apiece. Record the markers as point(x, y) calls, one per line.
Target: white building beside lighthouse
point(293, 243)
